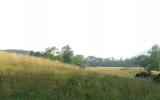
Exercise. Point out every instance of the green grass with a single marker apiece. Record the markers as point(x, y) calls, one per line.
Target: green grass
point(31, 78)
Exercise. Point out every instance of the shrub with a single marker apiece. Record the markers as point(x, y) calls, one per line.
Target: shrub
point(157, 78)
point(143, 74)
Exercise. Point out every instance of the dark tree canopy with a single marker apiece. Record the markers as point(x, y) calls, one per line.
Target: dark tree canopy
point(67, 54)
point(151, 61)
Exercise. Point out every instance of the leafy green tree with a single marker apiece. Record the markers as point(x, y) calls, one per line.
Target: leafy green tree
point(52, 50)
point(67, 54)
point(154, 58)
point(37, 54)
point(142, 61)
point(52, 53)
point(78, 59)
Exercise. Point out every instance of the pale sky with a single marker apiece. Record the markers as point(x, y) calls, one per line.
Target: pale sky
point(103, 28)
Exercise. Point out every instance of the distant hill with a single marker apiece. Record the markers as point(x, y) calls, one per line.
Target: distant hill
point(25, 52)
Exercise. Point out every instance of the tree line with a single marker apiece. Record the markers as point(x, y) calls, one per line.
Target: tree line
point(150, 61)
point(67, 55)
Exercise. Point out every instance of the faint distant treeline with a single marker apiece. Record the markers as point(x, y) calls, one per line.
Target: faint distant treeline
point(109, 62)
point(67, 55)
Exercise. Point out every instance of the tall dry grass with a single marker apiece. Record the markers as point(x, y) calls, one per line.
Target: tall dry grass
point(31, 78)
point(128, 72)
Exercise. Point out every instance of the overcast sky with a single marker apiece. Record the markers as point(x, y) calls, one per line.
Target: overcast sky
point(104, 28)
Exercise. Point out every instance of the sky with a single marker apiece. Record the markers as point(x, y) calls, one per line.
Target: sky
point(103, 28)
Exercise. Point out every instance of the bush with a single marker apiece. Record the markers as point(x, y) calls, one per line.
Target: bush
point(143, 74)
point(157, 78)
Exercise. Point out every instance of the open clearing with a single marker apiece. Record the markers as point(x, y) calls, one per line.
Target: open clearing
point(118, 71)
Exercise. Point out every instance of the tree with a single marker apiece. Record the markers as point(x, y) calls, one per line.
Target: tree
point(52, 53)
point(52, 50)
point(142, 61)
point(78, 59)
point(90, 61)
point(37, 54)
point(67, 54)
point(154, 58)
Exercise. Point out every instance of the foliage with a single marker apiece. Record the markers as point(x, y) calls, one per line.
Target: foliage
point(67, 54)
point(142, 60)
point(53, 53)
point(152, 60)
point(78, 59)
point(143, 74)
point(110, 62)
point(157, 78)
point(37, 54)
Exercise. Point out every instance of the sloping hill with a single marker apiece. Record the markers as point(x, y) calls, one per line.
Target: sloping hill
point(31, 78)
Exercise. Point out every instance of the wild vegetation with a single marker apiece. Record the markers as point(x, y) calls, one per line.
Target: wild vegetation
point(31, 78)
point(150, 62)
point(66, 55)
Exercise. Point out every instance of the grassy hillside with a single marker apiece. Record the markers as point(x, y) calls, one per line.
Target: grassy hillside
point(30, 78)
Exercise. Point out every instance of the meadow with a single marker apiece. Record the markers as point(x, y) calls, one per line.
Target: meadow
point(31, 78)
point(128, 72)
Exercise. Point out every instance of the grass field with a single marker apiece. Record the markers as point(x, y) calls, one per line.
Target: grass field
point(31, 78)
point(129, 72)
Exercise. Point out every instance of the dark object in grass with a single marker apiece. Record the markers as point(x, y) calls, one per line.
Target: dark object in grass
point(157, 78)
point(143, 74)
